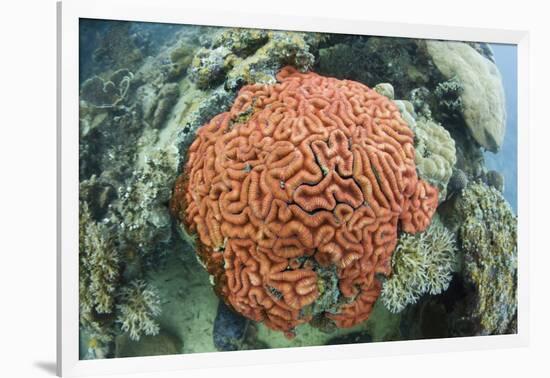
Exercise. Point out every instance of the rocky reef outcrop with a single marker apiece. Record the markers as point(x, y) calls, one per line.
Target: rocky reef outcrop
point(487, 233)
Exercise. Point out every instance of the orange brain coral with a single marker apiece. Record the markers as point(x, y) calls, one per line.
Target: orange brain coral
point(302, 180)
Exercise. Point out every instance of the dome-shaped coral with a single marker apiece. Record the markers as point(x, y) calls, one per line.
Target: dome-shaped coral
point(306, 175)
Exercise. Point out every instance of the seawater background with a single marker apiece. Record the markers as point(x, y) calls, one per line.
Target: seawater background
point(506, 160)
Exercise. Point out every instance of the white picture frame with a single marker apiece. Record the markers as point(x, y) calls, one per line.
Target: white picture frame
point(69, 12)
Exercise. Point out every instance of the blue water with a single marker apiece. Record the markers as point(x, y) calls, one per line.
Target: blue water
point(506, 160)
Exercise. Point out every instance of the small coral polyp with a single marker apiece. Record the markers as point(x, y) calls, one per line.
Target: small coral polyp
point(309, 174)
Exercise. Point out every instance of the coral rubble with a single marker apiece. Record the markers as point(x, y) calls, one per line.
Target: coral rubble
point(309, 172)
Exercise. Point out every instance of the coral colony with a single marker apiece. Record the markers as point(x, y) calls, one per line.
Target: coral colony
point(245, 189)
point(320, 173)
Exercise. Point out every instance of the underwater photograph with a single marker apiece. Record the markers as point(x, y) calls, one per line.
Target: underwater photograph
point(245, 189)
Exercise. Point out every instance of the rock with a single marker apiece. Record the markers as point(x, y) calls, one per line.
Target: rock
point(458, 181)
point(487, 232)
point(373, 60)
point(229, 329)
point(239, 57)
point(495, 179)
point(168, 97)
point(426, 320)
point(160, 345)
point(447, 95)
point(482, 95)
point(180, 58)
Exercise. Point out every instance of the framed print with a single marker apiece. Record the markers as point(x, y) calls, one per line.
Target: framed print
point(239, 188)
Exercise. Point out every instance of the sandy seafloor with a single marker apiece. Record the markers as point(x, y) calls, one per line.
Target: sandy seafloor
point(189, 308)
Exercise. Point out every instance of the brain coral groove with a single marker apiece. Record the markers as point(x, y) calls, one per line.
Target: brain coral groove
point(319, 173)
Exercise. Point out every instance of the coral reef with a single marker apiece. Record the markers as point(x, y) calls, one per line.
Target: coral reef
point(487, 230)
point(180, 58)
point(164, 102)
point(99, 93)
point(435, 154)
point(309, 171)
point(303, 196)
point(99, 274)
point(229, 329)
point(141, 210)
point(421, 264)
point(96, 196)
point(208, 66)
point(448, 94)
point(244, 56)
point(482, 94)
point(407, 112)
point(139, 305)
point(373, 60)
point(99, 266)
point(458, 181)
point(495, 179)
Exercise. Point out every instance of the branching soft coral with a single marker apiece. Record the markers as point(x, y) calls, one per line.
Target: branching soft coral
point(99, 265)
point(138, 308)
point(300, 176)
point(422, 264)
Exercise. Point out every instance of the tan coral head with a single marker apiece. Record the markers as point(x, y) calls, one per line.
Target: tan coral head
point(300, 183)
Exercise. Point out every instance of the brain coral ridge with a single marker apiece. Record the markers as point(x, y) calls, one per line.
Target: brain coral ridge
point(306, 174)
